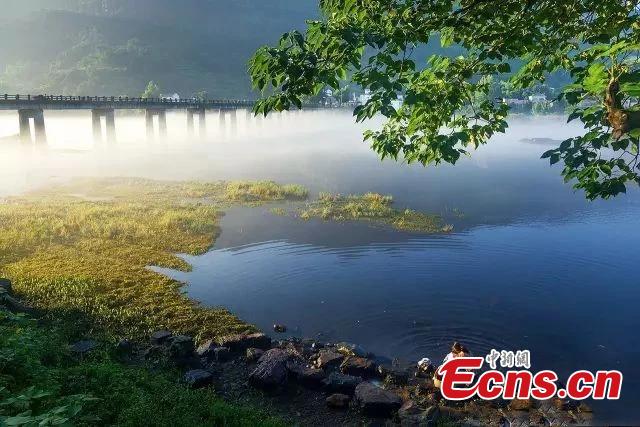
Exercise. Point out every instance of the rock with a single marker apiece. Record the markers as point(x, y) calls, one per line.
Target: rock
point(6, 285)
point(304, 374)
point(520, 405)
point(338, 401)
point(431, 415)
point(293, 348)
point(241, 342)
point(409, 409)
point(206, 350)
point(160, 337)
point(376, 401)
point(271, 371)
point(280, 328)
point(398, 373)
point(83, 347)
point(198, 378)
point(124, 347)
point(340, 383)
point(181, 350)
point(222, 354)
point(154, 352)
point(411, 414)
point(211, 352)
point(328, 358)
point(13, 304)
point(358, 366)
point(253, 354)
point(348, 349)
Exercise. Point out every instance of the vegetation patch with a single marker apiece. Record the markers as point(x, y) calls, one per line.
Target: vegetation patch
point(41, 383)
point(372, 207)
point(81, 251)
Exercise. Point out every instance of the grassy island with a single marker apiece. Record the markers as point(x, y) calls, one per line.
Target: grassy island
point(372, 207)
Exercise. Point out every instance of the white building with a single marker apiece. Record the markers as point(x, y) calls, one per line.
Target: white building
point(175, 97)
point(538, 97)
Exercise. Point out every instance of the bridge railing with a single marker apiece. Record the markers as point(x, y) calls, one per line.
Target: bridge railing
point(123, 100)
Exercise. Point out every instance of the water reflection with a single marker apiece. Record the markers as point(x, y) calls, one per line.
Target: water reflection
point(531, 264)
point(550, 287)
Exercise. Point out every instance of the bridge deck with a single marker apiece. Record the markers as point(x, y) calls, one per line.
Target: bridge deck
point(59, 102)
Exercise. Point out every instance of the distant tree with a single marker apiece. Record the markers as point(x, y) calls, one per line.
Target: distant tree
point(201, 95)
point(152, 90)
point(596, 42)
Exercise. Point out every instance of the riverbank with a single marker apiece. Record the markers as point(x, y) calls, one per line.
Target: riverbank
point(244, 379)
point(78, 253)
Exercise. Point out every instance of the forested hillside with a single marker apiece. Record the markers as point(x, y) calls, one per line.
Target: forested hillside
point(115, 47)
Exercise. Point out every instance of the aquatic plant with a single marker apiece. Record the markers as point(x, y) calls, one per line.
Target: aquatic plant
point(81, 250)
point(264, 190)
point(371, 207)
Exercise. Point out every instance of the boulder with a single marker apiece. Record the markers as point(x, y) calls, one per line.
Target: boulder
point(397, 373)
point(271, 371)
point(358, 366)
point(198, 378)
point(160, 337)
point(124, 347)
point(211, 352)
point(376, 401)
point(6, 285)
point(304, 374)
point(328, 358)
point(155, 352)
point(206, 350)
point(181, 350)
point(338, 401)
point(340, 383)
point(222, 354)
point(294, 349)
point(181, 345)
point(83, 347)
point(253, 354)
point(241, 342)
point(349, 349)
point(280, 328)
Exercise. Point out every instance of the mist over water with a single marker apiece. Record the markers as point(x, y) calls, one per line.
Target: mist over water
point(530, 265)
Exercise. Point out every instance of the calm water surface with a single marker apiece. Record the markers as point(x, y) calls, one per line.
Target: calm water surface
point(530, 265)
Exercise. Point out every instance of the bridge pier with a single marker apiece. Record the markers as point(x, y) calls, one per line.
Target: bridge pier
point(38, 121)
point(202, 121)
point(109, 120)
point(162, 123)
point(234, 120)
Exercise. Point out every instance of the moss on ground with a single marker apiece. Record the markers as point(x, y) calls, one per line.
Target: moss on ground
point(372, 207)
point(81, 250)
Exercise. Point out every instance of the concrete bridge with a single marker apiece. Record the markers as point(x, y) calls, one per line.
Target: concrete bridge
point(33, 107)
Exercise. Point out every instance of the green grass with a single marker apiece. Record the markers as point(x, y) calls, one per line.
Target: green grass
point(81, 251)
point(42, 384)
point(372, 207)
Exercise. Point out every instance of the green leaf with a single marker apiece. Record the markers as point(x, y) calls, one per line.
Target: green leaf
point(597, 78)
